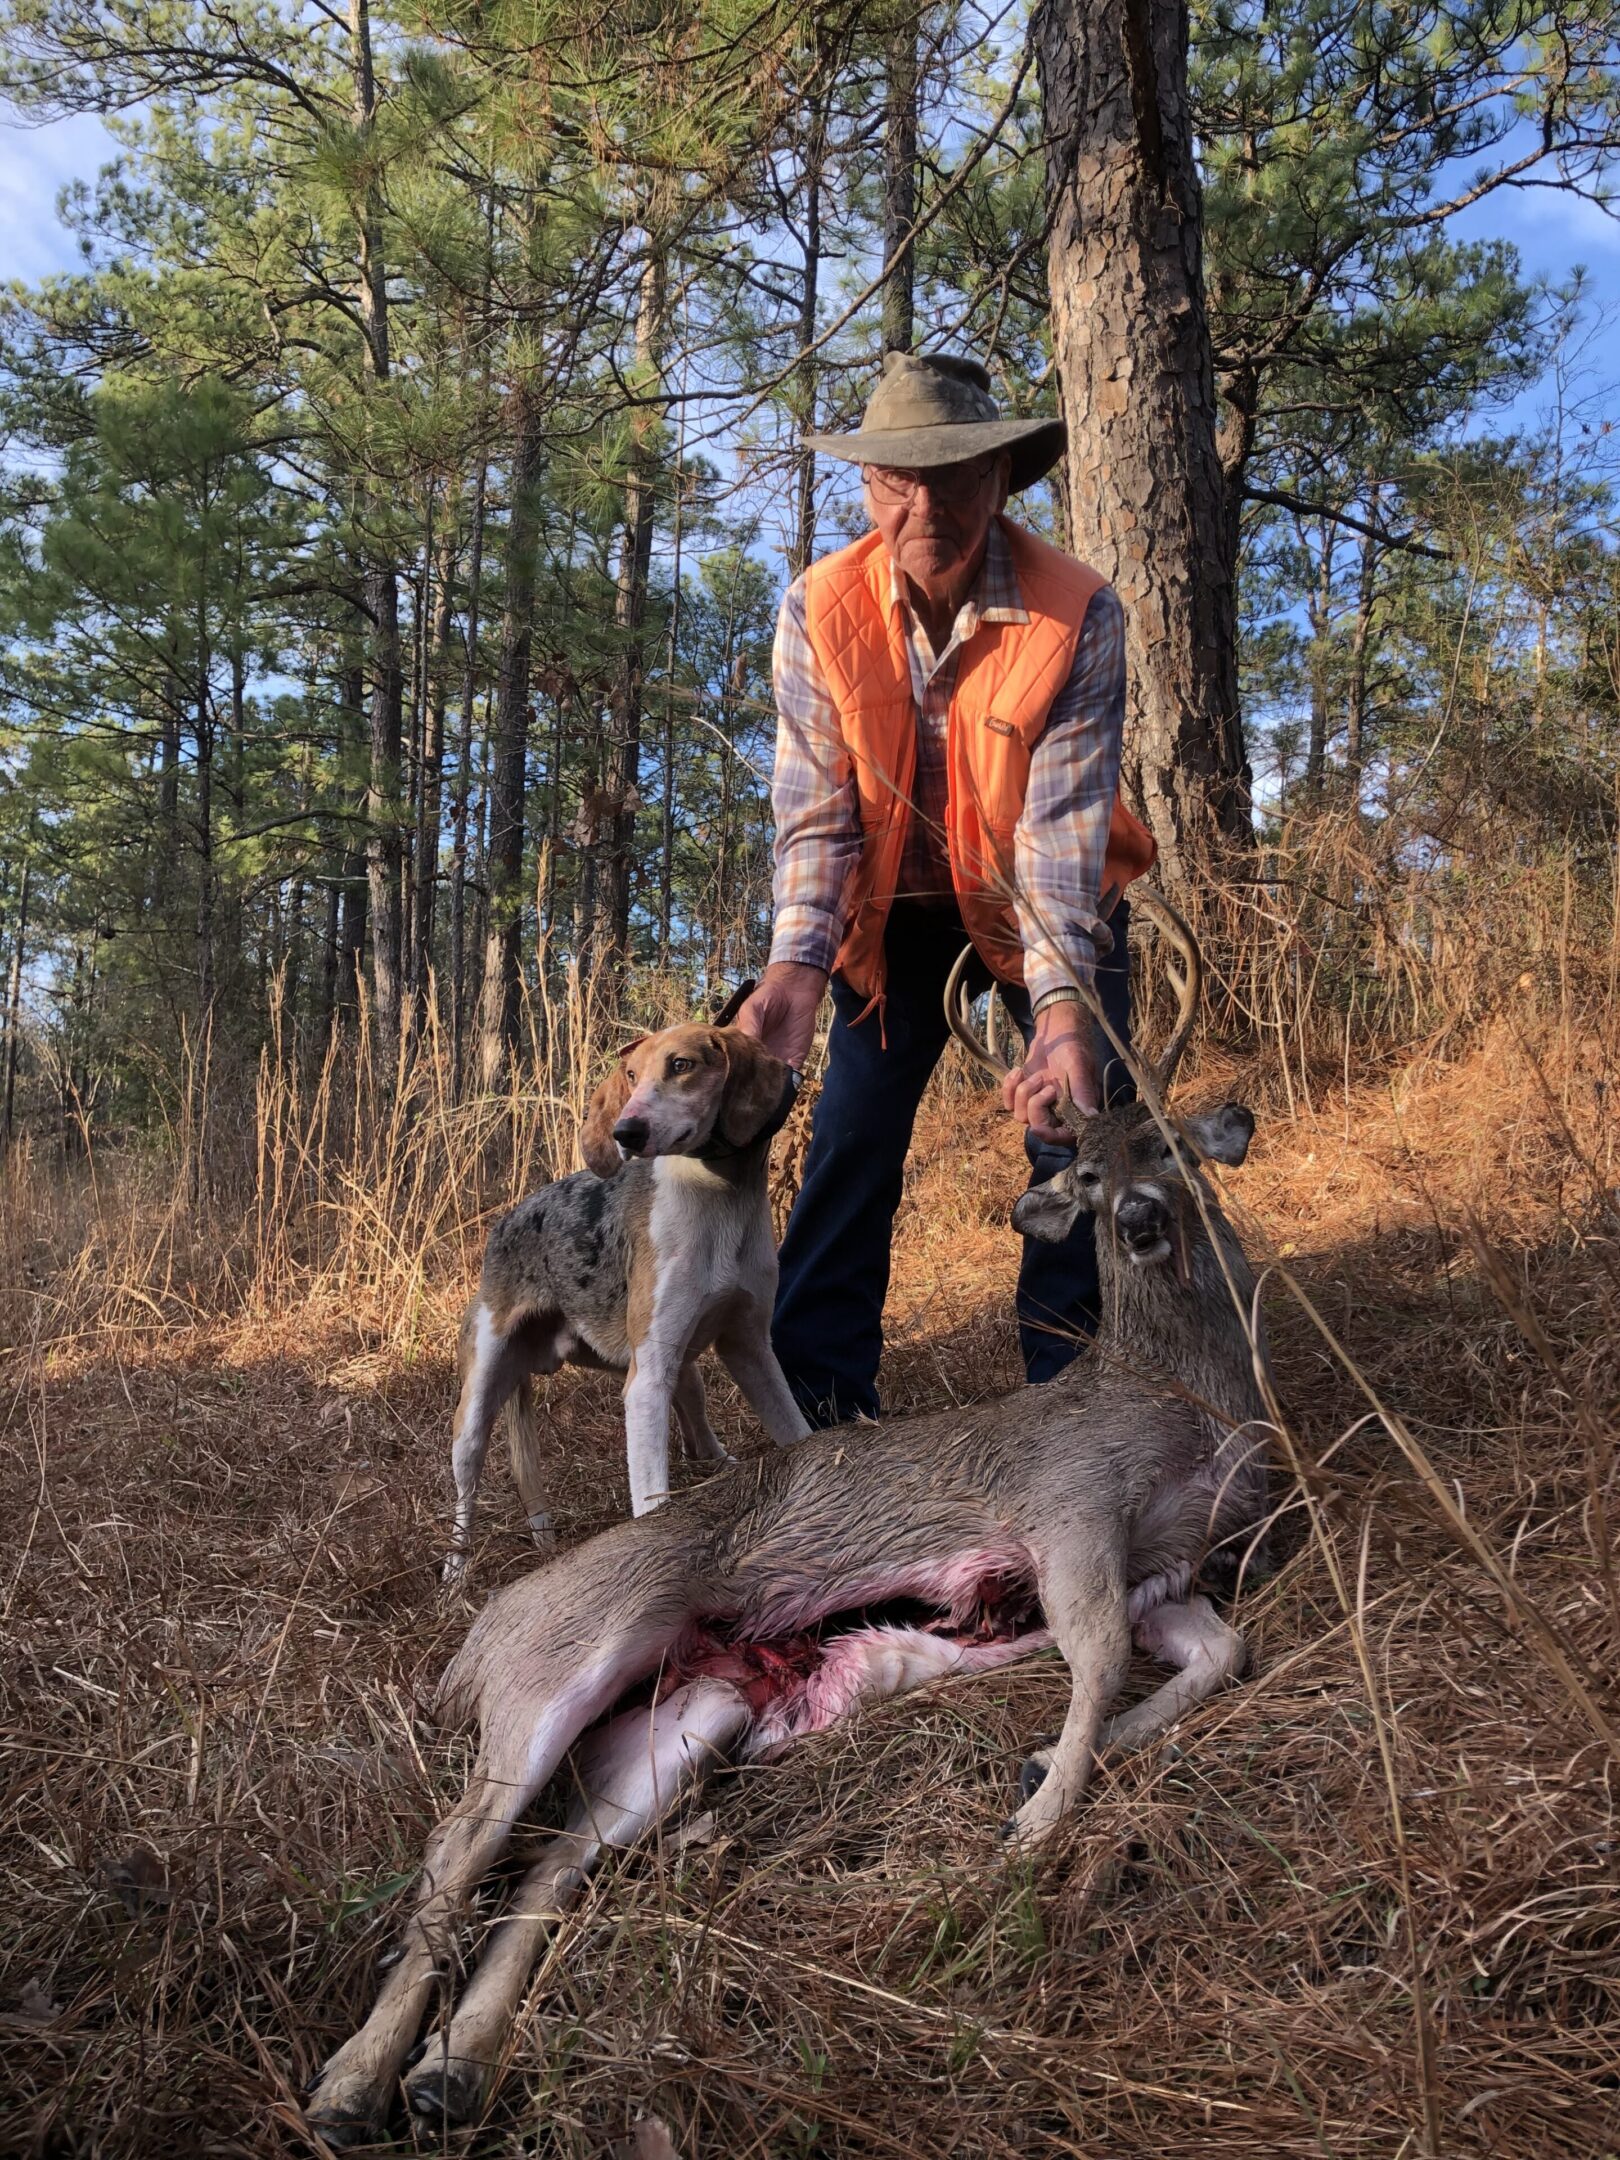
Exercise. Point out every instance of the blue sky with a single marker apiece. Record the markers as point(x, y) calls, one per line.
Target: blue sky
point(1553, 231)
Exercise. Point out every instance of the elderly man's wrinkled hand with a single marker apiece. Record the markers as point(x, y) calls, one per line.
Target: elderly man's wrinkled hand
point(782, 1011)
point(1060, 1066)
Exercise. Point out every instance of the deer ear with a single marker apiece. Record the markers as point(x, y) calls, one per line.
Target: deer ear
point(1047, 1212)
point(753, 1091)
point(596, 1141)
point(1221, 1135)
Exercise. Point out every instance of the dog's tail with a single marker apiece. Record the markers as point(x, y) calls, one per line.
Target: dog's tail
point(522, 1424)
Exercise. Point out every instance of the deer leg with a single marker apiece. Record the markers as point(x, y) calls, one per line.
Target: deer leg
point(352, 2095)
point(701, 1441)
point(745, 1351)
point(1084, 1602)
point(352, 2092)
point(1206, 1653)
point(631, 1774)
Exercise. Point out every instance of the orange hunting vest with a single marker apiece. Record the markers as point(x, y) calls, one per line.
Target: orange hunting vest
point(1006, 680)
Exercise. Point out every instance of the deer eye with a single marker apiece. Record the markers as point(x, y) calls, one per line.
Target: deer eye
point(679, 1065)
point(1089, 1179)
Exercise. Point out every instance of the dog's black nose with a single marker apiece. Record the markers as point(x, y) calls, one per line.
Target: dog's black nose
point(631, 1134)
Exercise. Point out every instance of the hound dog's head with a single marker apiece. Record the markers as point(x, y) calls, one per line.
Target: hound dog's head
point(688, 1090)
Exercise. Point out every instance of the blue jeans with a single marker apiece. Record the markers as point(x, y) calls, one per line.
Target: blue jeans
point(828, 1329)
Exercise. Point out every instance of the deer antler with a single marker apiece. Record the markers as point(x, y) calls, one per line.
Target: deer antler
point(958, 1003)
point(958, 1012)
point(1187, 980)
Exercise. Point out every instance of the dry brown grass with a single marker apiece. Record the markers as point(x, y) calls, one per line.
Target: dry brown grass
point(1367, 1906)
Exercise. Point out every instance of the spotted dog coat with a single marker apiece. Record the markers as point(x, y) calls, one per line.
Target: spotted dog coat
point(660, 1250)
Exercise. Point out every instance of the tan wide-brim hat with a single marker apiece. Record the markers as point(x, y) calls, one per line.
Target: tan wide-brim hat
point(936, 409)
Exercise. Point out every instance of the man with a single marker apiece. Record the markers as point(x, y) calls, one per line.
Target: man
point(950, 693)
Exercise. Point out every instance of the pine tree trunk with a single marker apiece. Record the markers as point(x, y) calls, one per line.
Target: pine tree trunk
point(498, 1028)
point(459, 1006)
point(1319, 613)
point(622, 778)
point(900, 186)
point(205, 860)
point(19, 957)
point(205, 810)
point(1355, 749)
point(353, 866)
point(1147, 496)
point(429, 790)
point(804, 542)
point(383, 844)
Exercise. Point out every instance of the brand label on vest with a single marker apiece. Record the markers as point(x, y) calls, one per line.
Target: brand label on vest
point(999, 727)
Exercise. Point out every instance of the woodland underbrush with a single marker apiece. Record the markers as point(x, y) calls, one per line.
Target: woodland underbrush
point(1366, 1903)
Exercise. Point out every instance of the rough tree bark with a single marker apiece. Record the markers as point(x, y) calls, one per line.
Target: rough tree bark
point(804, 386)
point(463, 787)
point(429, 791)
point(622, 777)
point(1355, 748)
point(19, 959)
point(352, 877)
point(383, 843)
point(1146, 493)
point(900, 185)
point(501, 1005)
point(1319, 613)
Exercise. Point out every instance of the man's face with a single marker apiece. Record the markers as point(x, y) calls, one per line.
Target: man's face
point(934, 521)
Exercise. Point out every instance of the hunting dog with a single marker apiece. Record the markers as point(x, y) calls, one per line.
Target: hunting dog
point(660, 1249)
point(770, 1601)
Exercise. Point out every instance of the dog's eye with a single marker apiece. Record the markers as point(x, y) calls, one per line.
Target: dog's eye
point(679, 1065)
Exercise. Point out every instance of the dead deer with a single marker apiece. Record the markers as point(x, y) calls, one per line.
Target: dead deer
point(759, 1607)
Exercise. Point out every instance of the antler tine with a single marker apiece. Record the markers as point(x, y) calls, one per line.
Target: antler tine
point(1177, 933)
point(957, 1002)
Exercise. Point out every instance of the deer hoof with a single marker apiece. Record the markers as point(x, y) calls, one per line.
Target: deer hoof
point(1033, 1774)
point(342, 2128)
point(447, 2089)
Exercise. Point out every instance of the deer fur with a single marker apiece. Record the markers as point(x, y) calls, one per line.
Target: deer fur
point(1074, 1514)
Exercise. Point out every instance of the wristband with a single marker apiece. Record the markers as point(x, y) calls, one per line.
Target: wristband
point(1064, 994)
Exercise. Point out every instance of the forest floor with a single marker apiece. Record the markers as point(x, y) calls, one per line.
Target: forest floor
point(1367, 1904)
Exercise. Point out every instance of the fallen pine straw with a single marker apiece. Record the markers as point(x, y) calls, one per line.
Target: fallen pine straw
point(1365, 1904)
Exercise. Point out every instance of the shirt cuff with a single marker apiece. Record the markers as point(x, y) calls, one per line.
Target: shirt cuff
point(1050, 967)
point(806, 936)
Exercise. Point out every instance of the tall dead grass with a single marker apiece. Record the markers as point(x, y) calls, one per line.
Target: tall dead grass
point(1365, 1905)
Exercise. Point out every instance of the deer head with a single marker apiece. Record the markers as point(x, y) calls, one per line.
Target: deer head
point(1134, 1170)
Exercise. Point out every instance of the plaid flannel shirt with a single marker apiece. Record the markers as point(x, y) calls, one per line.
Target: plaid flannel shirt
point(1062, 837)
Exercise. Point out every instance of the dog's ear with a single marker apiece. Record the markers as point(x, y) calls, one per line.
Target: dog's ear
point(596, 1141)
point(1222, 1135)
point(753, 1092)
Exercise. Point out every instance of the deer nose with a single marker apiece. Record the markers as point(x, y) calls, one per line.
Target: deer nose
point(1141, 1221)
point(632, 1134)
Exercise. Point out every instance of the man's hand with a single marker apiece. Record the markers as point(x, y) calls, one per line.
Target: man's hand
point(1060, 1062)
point(782, 1011)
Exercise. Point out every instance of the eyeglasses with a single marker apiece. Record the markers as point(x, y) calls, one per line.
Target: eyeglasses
point(953, 485)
